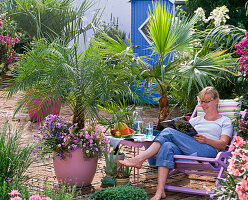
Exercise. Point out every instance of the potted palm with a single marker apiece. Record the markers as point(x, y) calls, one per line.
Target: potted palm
point(76, 151)
point(171, 35)
point(72, 76)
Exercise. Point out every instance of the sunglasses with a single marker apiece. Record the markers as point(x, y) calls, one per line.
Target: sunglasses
point(201, 102)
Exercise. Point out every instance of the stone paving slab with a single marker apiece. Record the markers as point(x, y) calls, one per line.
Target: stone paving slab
point(41, 171)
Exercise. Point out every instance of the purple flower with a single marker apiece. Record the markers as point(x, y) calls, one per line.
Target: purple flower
point(75, 139)
point(58, 155)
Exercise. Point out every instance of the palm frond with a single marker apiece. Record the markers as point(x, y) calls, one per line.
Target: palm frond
point(228, 33)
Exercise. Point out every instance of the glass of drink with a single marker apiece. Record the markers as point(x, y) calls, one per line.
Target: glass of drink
point(149, 129)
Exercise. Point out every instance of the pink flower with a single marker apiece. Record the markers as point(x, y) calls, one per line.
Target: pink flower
point(16, 198)
point(14, 192)
point(46, 198)
point(35, 197)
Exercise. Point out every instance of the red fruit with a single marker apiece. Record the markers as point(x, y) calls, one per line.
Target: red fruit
point(112, 131)
point(126, 131)
point(131, 130)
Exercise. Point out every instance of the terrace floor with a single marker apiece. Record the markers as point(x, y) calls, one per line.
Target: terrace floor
point(41, 171)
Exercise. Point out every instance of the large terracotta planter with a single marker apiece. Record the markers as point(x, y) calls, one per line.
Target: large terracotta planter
point(37, 109)
point(75, 170)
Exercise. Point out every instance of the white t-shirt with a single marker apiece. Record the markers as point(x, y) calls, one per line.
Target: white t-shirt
point(213, 129)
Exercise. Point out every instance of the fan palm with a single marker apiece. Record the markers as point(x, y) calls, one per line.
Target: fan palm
point(170, 34)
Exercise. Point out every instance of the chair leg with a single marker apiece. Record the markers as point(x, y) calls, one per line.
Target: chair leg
point(222, 169)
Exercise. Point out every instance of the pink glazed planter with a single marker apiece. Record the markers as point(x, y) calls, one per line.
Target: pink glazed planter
point(50, 106)
point(75, 170)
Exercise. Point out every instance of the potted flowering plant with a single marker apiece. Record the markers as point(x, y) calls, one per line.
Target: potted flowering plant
point(76, 151)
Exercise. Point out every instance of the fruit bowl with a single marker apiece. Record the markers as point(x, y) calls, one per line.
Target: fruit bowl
point(124, 136)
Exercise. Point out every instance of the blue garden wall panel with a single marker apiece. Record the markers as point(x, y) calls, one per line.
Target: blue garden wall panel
point(139, 14)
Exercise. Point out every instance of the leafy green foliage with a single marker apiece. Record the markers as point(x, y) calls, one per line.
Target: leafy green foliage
point(59, 193)
point(111, 168)
point(120, 192)
point(81, 79)
point(111, 29)
point(124, 171)
point(15, 184)
point(15, 158)
point(227, 189)
point(108, 180)
point(236, 8)
point(120, 112)
point(50, 18)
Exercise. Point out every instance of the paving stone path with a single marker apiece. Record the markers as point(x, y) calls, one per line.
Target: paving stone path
point(41, 171)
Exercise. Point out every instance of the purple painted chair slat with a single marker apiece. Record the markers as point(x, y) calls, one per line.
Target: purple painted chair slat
point(200, 166)
point(185, 190)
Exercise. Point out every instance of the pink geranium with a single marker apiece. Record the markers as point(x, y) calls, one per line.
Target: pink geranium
point(16, 198)
point(35, 197)
point(14, 192)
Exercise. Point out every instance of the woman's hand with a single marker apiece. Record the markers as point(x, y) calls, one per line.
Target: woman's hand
point(200, 138)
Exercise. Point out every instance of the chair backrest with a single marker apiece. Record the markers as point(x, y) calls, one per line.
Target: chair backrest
point(227, 107)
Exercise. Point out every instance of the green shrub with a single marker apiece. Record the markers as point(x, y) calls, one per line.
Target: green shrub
point(120, 192)
point(108, 180)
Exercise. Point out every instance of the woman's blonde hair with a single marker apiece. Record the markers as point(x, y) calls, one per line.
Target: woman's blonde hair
point(211, 91)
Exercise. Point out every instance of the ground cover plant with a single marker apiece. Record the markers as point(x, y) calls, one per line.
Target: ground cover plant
point(120, 192)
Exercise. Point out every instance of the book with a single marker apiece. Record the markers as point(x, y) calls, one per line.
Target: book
point(181, 124)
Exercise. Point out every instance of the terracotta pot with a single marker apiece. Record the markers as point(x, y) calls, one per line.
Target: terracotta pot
point(121, 181)
point(75, 170)
point(50, 106)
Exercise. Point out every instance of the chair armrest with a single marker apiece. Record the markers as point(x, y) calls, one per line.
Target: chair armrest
point(222, 156)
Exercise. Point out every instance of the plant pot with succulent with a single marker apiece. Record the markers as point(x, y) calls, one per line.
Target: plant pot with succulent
point(123, 175)
point(76, 151)
point(107, 181)
point(117, 154)
point(111, 167)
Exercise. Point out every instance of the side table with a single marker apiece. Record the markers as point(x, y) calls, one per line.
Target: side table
point(136, 145)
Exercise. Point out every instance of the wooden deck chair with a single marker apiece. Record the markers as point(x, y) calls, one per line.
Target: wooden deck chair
point(203, 165)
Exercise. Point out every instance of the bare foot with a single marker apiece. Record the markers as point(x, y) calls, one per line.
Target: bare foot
point(159, 195)
point(133, 162)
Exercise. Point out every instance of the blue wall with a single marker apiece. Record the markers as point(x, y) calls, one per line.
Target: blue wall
point(139, 14)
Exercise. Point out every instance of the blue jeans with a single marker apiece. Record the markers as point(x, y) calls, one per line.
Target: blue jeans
point(174, 142)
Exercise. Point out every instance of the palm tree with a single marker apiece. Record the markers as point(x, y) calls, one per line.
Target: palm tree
point(51, 18)
point(83, 80)
point(169, 35)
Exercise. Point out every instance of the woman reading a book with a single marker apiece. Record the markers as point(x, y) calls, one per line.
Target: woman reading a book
point(214, 134)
